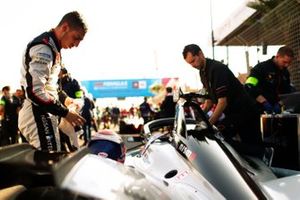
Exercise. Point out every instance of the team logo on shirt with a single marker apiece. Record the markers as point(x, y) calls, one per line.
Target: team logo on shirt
point(103, 154)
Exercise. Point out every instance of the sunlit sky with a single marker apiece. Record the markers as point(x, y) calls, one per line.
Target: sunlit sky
point(126, 38)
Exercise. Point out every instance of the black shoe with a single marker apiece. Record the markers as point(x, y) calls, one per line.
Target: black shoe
point(268, 156)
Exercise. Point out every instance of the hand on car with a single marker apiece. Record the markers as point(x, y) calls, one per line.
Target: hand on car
point(269, 109)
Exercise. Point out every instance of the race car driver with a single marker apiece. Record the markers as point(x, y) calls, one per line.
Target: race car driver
point(44, 103)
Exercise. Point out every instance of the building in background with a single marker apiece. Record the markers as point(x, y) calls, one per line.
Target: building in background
point(263, 28)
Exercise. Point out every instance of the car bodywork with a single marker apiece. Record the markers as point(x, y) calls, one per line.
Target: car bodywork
point(197, 144)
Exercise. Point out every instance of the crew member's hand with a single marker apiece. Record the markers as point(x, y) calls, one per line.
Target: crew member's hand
point(75, 119)
point(268, 108)
point(277, 108)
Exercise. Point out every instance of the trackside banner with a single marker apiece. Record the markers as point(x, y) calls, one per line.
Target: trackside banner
point(122, 88)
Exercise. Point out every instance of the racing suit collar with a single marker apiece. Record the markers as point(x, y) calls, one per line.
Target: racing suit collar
point(57, 43)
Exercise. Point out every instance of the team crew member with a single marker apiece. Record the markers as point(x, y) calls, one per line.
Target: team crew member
point(167, 107)
point(229, 97)
point(270, 78)
point(38, 118)
point(9, 117)
point(69, 84)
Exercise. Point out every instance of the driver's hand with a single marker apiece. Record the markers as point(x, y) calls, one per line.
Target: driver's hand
point(75, 119)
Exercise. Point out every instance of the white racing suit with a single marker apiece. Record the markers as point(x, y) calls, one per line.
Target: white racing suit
point(38, 118)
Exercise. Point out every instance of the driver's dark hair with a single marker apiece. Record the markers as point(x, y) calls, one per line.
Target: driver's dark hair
point(192, 48)
point(75, 21)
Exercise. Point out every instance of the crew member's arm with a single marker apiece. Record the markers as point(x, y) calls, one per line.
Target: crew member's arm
point(207, 105)
point(220, 107)
point(220, 86)
point(252, 84)
point(261, 99)
point(253, 88)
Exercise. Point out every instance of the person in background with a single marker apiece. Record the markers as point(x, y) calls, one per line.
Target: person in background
point(69, 84)
point(145, 111)
point(18, 99)
point(269, 79)
point(229, 97)
point(72, 88)
point(94, 114)
point(106, 118)
point(44, 103)
point(167, 107)
point(9, 117)
point(87, 114)
point(115, 115)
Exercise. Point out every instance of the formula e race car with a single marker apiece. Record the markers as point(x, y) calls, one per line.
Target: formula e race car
point(27, 173)
point(189, 153)
point(184, 158)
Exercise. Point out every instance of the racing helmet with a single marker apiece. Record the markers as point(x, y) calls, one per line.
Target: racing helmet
point(108, 144)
